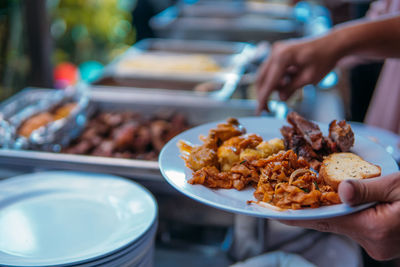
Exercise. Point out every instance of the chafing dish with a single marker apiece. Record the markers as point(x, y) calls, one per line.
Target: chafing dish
point(197, 111)
point(227, 62)
point(54, 132)
point(234, 24)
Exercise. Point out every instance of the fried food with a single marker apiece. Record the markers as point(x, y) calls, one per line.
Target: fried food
point(231, 150)
point(287, 182)
point(223, 161)
point(229, 158)
point(197, 157)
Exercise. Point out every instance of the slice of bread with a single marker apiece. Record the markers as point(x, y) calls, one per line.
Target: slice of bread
point(338, 167)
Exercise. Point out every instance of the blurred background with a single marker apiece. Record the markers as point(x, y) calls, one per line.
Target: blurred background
point(56, 43)
point(44, 43)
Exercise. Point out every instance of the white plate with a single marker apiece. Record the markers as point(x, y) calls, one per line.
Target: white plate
point(134, 252)
point(52, 218)
point(390, 141)
point(177, 174)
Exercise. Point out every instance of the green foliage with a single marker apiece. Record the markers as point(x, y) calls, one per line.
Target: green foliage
point(90, 30)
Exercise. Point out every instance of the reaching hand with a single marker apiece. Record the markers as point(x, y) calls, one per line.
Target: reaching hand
point(376, 229)
point(293, 64)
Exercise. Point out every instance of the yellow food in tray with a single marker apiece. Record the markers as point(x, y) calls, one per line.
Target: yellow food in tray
point(161, 63)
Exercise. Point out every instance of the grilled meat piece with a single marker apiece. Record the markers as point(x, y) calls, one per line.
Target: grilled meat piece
point(124, 135)
point(159, 130)
point(307, 141)
point(142, 141)
point(288, 133)
point(307, 152)
point(105, 149)
point(83, 147)
point(225, 131)
point(127, 134)
point(307, 129)
point(342, 135)
point(297, 143)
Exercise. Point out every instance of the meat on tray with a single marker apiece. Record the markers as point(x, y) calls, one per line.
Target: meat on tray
point(306, 139)
point(127, 135)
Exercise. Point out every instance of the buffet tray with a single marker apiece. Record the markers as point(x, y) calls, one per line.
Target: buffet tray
point(197, 111)
point(172, 23)
point(16, 110)
point(222, 9)
point(193, 47)
point(230, 56)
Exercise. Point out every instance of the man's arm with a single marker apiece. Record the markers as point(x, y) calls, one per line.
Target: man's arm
point(378, 38)
point(295, 63)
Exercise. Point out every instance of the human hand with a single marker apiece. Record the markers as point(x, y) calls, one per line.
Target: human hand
point(376, 229)
point(295, 63)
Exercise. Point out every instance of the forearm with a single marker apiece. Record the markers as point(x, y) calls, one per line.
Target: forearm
point(377, 38)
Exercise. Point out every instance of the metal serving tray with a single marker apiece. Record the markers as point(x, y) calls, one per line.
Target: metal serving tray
point(17, 109)
point(172, 23)
point(197, 111)
point(222, 9)
point(193, 47)
point(232, 57)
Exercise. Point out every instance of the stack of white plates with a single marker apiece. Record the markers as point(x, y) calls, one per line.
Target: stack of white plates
point(75, 219)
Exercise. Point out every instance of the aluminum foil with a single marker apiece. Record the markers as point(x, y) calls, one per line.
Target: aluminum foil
point(55, 134)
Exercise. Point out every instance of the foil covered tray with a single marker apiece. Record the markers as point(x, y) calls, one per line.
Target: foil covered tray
point(49, 131)
point(200, 68)
point(197, 111)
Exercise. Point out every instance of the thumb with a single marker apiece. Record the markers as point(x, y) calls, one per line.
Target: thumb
point(381, 189)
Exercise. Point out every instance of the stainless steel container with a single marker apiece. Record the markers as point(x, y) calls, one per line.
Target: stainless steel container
point(219, 84)
point(197, 111)
point(199, 22)
point(15, 111)
point(210, 8)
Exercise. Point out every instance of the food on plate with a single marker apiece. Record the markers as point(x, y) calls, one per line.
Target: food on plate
point(287, 182)
point(167, 63)
point(223, 161)
point(127, 135)
point(230, 158)
point(42, 119)
point(306, 139)
point(283, 172)
point(197, 157)
point(338, 167)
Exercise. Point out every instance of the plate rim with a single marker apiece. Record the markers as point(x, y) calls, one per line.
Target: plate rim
point(93, 256)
